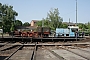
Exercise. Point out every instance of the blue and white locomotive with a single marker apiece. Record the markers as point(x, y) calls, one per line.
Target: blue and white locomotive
point(70, 31)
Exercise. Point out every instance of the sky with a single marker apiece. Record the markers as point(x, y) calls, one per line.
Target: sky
point(29, 10)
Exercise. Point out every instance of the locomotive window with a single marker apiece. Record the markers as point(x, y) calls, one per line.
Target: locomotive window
point(74, 30)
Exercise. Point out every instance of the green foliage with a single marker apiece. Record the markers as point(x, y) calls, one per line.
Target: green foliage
point(12, 27)
point(64, 25)
point(26, 24)
point(18, 23)
point(82, 26)
point(88, 25)
point(7, 16)
point(39, 23)
point(53, 20)
point(85, 27)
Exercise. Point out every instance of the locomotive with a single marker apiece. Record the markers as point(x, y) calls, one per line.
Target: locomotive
point(40, 32)
point(67, 32)
point(46, 32)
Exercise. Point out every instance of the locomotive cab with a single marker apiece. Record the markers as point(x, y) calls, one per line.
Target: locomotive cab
point(73, 30)
point(1, 30)
point(43, 31)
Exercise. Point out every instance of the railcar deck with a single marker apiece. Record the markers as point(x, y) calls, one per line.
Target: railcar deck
point(10, 38)
point(41, 37)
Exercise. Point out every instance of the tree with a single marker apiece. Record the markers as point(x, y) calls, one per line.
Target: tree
point(7, 15)
point(88, 25)
point(82, 26)
point(43, 22)
point(64, 25)
point(12, 27)
point(26, 24)
point(39, 23)
point(53, 20)
point(18, 23)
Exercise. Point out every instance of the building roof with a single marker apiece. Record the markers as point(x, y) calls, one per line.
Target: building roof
point(73, 27)
point(69, 23)
point(0, 21)
point(26, 27)
point(35, 20)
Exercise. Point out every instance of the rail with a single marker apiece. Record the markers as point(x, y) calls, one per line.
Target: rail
point(13, 53)
point(55, 54)
point(75, 53)
point(6, 46)
point(33, 57)
point(82, 49)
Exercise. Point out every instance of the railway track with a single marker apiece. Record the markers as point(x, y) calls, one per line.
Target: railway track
point(55, 54)
point(6, 53)
point(83, 48)
point(48, 54)
point(7, 46)
point(36, 52)
point(23, 53)
point(3, 44)
point(79, 52)
point(88, 51)
point(33, 57)
point(14, 52)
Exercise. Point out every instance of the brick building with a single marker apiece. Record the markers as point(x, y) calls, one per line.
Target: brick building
point(33, 22)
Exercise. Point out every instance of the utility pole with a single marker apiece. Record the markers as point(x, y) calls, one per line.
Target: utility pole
point(69, 21)
point(2, 25)
point(76, 12)
point(42, 23)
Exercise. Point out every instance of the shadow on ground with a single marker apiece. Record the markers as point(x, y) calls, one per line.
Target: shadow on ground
point(3, 57)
